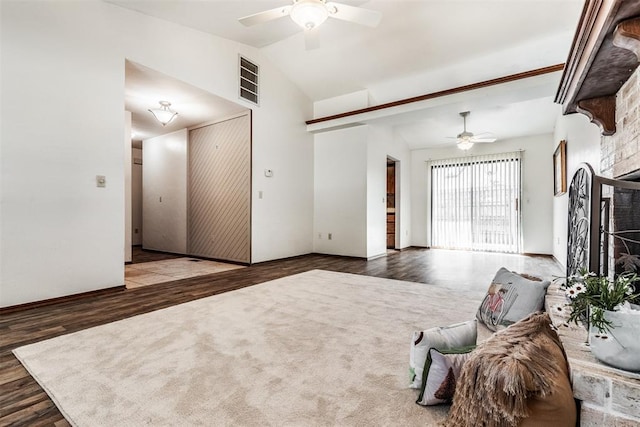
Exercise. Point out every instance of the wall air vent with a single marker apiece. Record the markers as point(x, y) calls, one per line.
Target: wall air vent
point(248, 80)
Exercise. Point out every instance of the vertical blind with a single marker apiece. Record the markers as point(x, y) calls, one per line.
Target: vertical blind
point(474, 203)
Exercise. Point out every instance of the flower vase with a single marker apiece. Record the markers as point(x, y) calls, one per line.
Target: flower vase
point(619, 346)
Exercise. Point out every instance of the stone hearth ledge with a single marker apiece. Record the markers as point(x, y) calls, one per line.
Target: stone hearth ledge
point(608, 396)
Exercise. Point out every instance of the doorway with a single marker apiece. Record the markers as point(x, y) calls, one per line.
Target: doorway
point(161, 187)
point(391, 203)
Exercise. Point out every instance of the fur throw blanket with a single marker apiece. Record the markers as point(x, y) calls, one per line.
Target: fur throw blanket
point(514, 366)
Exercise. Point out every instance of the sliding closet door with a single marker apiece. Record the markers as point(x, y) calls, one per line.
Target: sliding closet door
point(220, 190)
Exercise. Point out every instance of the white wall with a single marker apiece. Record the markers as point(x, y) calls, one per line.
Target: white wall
point(537, 189)
point(127, 186)
point(282, 221)
point(164, 199)
point(63, 124)
point(136, 198)
point(340, 104)
point(350, 190)
point(382, 144)
point(63, 63)
point(376, 214)
point(583, 146)
point(340, 196)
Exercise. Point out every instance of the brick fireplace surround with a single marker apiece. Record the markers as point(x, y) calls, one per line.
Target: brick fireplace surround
point(620, 159)
point(620, 152)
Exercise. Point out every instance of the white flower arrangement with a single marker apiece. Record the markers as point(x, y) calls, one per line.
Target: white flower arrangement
point(590, 295)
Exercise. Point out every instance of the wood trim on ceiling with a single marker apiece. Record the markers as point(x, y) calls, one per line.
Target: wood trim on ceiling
point(465, 88)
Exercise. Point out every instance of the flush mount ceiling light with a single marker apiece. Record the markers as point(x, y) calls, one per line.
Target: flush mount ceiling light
point(309, 13)
point(163, 114)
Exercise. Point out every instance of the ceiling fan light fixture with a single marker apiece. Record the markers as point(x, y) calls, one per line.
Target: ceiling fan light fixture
point(465, 145)
point(309, 13)
point(164, 114)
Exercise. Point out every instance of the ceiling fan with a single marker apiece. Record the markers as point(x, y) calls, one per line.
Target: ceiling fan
point(465, 140)
point(310, 14)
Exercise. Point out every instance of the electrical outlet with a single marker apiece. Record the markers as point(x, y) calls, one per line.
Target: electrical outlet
point(329, 236)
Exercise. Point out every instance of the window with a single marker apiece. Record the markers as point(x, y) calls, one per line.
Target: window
point(248, 80)
point(474, 203)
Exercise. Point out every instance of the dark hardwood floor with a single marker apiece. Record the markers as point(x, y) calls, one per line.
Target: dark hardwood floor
point(24, 403)
point(139, 255)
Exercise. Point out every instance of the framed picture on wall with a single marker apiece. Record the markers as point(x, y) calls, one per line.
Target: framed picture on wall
point(560, 169)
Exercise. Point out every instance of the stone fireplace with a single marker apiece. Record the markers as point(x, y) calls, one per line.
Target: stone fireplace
point(601, 80)
point(620, 152)
point(620, 159)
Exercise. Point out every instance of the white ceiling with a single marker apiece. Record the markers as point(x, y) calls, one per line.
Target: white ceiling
point(144, 88)
point(420, 46)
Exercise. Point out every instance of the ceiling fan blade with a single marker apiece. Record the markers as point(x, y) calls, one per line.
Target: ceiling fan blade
point(484, 137)
point(266, 16)
point(368, 17)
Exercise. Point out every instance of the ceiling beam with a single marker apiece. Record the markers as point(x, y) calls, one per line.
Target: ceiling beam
point(447, 92)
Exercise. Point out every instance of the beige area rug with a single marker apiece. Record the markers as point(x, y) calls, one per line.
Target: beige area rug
point(313, 349)
point(152, 273)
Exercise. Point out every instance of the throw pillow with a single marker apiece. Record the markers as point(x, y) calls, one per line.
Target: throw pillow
point(454, 336)
point(530, 277)
point(518, 377)
point(441, 372)
point(510, 298)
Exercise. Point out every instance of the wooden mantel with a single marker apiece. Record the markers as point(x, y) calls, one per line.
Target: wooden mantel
point(604, 54)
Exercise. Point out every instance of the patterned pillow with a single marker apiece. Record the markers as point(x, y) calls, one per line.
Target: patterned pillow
point(510, 298)
point(454, 336)
point(441, 372)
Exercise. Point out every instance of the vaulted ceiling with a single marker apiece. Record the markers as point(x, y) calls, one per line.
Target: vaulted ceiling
point(420, 46)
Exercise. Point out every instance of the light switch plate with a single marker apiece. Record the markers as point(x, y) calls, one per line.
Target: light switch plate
point(101, 181)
